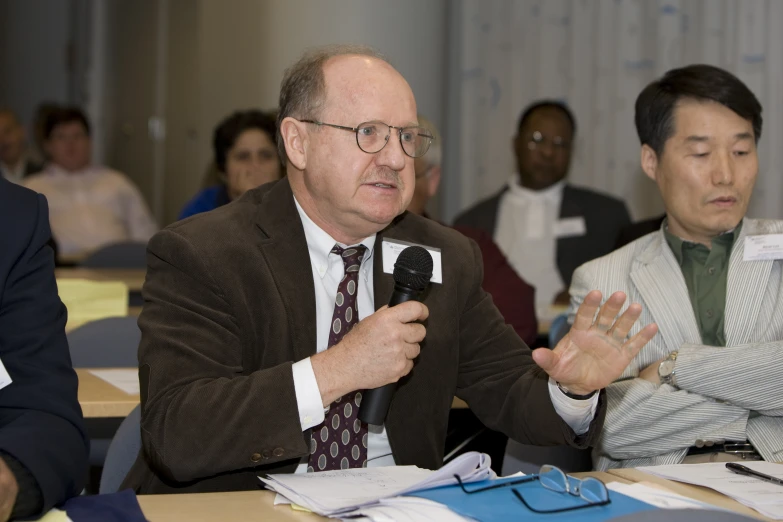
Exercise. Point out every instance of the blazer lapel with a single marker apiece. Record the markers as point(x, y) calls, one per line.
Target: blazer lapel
point(660, 282)
point(284, 248)
point(745, 290)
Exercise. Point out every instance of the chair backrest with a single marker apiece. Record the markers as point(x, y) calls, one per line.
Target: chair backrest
point(558, 329)
point(106, 343)
point(123, 450)
point(127, 255)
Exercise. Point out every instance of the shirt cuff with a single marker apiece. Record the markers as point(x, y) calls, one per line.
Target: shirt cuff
point(578, 414)
point(308, 396)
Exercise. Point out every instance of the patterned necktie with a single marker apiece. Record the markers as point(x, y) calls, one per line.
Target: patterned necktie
point(340, 442)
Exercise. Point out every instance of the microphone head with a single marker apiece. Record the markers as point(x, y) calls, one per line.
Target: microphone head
point(413, 268)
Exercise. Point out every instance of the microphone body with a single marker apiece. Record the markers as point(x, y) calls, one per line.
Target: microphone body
point(412, 273)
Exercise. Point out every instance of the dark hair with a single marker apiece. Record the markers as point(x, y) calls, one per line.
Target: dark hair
point(655, 105)
point(547, 104)
point(229, 130)
point(303, 87)
point(61, 116)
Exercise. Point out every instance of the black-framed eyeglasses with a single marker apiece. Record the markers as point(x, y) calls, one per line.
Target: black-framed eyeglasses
point(553, 478)
point(372, 136)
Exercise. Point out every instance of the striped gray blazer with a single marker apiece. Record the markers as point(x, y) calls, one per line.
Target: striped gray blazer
point(725, 393)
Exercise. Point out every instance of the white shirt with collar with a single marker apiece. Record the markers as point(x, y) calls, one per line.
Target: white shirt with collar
point(526, 234)
point(92, 208)
point(328, 270)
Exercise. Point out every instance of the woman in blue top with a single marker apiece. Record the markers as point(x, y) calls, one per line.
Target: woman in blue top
point(245, 146)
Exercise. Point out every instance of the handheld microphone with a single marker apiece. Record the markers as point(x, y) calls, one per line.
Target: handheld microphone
point(412, 273)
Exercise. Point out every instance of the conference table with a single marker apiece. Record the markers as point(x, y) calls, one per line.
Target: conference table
point(252, 506)
point(249, 506)
point(133, 278)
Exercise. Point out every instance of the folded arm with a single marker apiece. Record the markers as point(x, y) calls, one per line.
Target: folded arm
point(644, 420)
point(204, 410)
point(748, 376)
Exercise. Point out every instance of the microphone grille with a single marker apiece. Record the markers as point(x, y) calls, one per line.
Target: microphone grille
point(413, 268)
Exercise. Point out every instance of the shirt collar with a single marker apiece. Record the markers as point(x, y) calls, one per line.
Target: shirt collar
point(678, 245)
point(553, 193)
point(320, 243)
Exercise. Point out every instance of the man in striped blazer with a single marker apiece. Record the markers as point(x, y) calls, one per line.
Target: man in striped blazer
point(707, 387)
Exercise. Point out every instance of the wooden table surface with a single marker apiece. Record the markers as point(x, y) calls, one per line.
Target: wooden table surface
point(703, 494)
point(133, 278)
point(99, 399)
point(249, 506)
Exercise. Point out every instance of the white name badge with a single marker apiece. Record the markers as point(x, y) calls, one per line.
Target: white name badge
point(759, 248)
point(569, 227)
point(5, 379)
point(392, 248)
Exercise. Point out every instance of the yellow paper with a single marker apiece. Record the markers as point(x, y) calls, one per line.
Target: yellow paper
point(92, 300)
point(55, 515)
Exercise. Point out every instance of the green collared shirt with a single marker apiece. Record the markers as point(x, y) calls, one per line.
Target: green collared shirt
point(706, 273)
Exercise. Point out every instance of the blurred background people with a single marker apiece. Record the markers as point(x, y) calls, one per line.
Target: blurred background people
point(545, 226)
point(90, 205)
point(513, 296)
point(245, 148)
point(16, 162)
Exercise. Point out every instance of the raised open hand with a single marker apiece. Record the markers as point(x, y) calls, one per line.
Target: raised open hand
point(595, 352)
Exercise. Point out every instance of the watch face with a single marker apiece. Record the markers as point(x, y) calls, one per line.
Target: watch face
point(666, 368)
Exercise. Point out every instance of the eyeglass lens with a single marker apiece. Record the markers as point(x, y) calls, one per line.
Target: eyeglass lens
point(373, 136)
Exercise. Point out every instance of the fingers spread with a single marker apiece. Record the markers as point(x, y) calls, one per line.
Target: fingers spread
point(623, 325)
point(609, 311)
point(587, 310)
point(637, 342)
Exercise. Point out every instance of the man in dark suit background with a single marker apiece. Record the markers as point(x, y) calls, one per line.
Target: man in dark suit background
point(242, 303)
point(43, 446)
point(511, 294)
point(545, 226)
point(15, 160)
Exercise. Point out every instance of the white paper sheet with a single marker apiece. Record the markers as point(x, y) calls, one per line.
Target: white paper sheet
point(339, 491)
point(126, 379)
point(764, 497)
point(658, 497)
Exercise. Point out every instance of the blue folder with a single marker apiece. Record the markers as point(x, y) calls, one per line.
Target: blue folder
point(501, 504)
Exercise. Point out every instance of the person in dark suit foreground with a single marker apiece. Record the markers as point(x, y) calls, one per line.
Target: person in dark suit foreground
point(242, 303)
point(545, 226)
point(43, 445)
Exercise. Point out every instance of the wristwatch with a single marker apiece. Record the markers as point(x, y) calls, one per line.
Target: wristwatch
point(666, 369)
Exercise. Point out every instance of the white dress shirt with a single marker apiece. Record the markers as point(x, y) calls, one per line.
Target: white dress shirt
point(328, 270)
point(525, 233)
point(92, 208)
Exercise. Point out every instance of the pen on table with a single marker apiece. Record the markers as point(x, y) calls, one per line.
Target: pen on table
point(744, 470)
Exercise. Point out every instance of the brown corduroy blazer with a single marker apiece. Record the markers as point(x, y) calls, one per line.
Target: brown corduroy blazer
point(230, 305)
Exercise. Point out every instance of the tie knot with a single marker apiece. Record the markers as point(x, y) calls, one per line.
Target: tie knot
point(352, 256)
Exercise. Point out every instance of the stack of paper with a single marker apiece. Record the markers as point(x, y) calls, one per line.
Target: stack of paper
point(764, 497)
point(337, 493)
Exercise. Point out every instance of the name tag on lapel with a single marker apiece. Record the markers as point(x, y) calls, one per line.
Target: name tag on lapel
point(392, 248)
point(761, 248)
point(570, 227)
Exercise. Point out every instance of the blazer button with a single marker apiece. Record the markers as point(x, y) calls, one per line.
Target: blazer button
point(255, 457)
point(278, 452)
point(699, 443)
point(266, 454)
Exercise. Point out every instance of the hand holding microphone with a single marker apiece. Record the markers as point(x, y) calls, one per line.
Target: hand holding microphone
point(412, 273)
